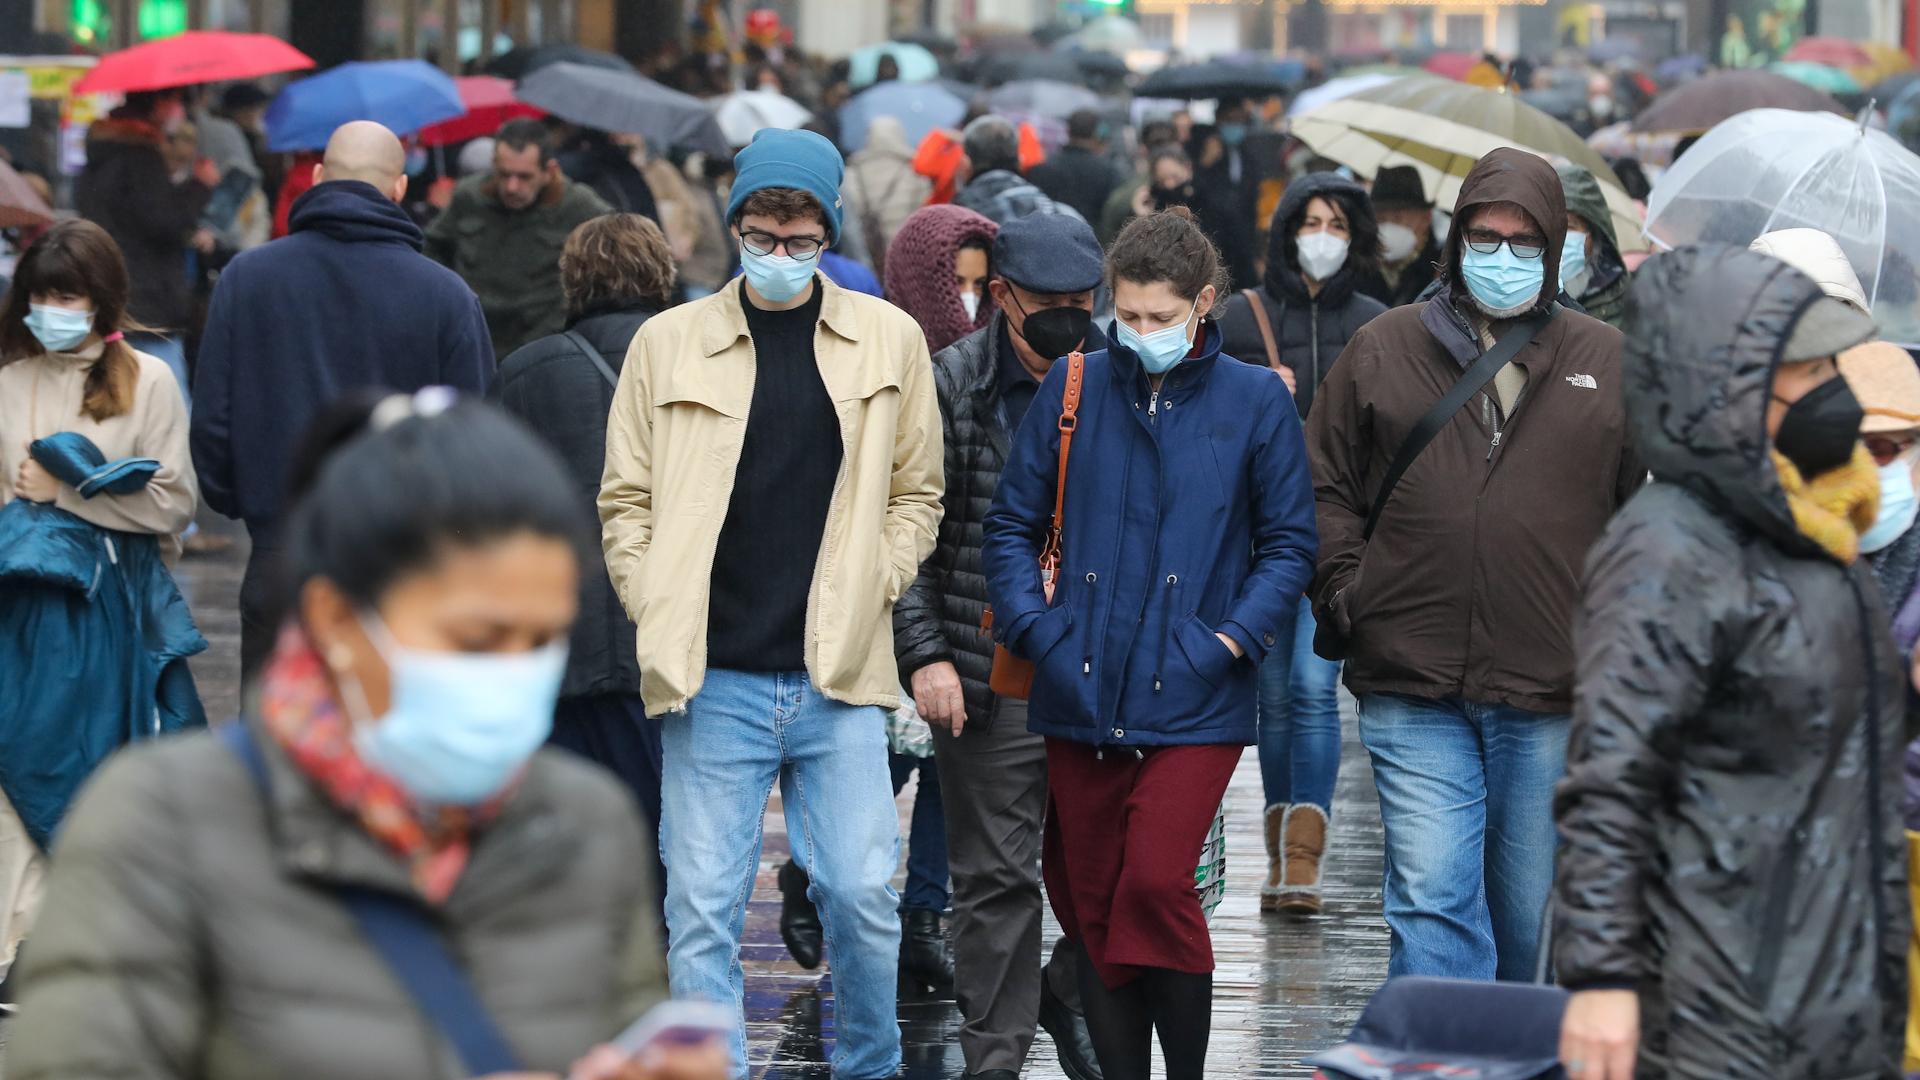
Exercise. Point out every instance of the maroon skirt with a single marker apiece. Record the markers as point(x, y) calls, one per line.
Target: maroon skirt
point(1123, 836)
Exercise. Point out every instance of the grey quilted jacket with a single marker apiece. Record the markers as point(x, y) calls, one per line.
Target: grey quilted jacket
point(1732, 842)
point(189, 929)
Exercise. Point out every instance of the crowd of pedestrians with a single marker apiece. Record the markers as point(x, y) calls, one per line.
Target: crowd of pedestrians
point(590, 501)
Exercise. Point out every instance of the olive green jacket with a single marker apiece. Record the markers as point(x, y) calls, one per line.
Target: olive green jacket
point(189, 930)
point(511, 259)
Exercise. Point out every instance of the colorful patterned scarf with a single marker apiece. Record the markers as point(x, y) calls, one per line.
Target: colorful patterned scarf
point(298, 709)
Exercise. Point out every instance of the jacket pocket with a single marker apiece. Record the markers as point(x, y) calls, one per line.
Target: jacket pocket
point(1206, 654)
point(1047, 631)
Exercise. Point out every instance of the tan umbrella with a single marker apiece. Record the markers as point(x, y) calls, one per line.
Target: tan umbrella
point(1441, 128)
point(20, 205)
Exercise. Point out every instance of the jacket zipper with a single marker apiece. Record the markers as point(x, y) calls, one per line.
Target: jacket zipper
point(1874, 805)
point(1160, 662)
point(1780, 890)
point(1313, 321)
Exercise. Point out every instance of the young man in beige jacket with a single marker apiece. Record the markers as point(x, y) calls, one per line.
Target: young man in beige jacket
point(773, 482)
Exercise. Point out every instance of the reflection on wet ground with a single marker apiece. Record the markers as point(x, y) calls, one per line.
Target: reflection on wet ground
point(1283, 988)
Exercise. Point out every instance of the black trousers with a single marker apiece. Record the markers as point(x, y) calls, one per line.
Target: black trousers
point(612, 730)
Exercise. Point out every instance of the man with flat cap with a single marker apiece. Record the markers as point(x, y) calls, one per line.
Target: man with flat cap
point(1045, 268)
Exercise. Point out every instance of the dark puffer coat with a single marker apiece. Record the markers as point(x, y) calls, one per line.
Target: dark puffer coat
point(557, 391)
point(1730, 814)
point(939, 617)
point(1310, 331)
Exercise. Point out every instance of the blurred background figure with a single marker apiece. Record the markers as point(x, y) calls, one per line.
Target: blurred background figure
point(1322, 241)
point(96, 483)
point(503, 232)
point(1409, 251)
point(616, 272)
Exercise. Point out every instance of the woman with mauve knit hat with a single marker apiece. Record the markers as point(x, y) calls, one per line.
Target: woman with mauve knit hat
point(937, 272)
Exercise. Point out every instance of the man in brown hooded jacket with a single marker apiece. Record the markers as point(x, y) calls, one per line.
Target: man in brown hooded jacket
point(1457, 612)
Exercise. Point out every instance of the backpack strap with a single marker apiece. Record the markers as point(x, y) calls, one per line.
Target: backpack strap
point(1260, 319)
point(586, 347)
point(406, 936)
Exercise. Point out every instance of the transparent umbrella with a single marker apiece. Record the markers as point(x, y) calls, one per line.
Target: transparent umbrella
point(1770, 169)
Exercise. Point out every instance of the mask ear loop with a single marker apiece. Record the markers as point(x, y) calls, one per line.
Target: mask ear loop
point(340, 659)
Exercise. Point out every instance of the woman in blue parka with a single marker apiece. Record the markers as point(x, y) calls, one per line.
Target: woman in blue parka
point(1187, 541)
point(95, 485)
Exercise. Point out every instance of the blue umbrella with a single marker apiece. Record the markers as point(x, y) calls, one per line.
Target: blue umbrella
point(920, 108)
point(916, 63)
point(404, 95)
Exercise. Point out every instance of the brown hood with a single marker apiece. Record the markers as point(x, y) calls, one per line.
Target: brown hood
point(1526, 180)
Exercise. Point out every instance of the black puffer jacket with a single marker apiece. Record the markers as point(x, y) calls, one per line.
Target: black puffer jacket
point(557, 391)
point(939, 617)
point(1309, 330)
point(1730, 813)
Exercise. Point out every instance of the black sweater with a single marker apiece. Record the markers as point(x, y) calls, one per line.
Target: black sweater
point(763, 567)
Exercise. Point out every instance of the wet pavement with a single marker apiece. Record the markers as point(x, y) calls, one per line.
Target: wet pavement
point(1283, 987)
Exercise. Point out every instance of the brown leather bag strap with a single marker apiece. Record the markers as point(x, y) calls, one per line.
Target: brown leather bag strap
point(1259, 308)
point(1069, 421)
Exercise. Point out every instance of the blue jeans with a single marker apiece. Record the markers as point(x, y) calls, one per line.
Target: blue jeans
point(1299, 720)
point(722, 755)
point(926, 836)
point(1466, 796)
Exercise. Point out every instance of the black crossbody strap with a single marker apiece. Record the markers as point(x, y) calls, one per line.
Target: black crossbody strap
point(593, 354)
point(1475, 378)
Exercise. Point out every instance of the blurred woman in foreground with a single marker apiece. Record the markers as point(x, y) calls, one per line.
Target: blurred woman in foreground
point(228, 905)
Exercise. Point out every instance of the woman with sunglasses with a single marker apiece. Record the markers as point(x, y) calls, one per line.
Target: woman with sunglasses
point(1186, 542)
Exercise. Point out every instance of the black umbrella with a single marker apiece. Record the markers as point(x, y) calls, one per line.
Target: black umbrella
point(1009, 67)
point(1214, 80)
point(518, 63)
point(622, 101)
point(1099, 64)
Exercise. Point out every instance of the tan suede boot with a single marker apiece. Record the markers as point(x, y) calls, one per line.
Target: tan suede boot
point(1276, 865)
point(1304, 838)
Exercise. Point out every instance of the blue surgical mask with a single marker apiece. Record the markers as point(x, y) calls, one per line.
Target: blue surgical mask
point(459, 726)
point(1505, 284)
point(1573, 258)
point(1160, 350)
point(1898, 506)
point(59, 329)
point(1233, 134)
point(416, 161)
point(779, 278)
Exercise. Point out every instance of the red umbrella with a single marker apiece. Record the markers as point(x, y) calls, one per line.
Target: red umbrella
point(197, 56)
point(490, 103)
point(1451, 65)
point(20, 205)
point(1831, 51)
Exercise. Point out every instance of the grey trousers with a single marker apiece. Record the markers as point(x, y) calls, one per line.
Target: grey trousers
point(993, 780)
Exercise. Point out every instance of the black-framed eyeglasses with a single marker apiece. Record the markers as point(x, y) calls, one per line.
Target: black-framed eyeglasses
point(765, 243)
point(1486, 242)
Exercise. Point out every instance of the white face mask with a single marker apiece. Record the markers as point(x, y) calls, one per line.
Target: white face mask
point(1396, 241)
point(1322, 254)
point(971, 301)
